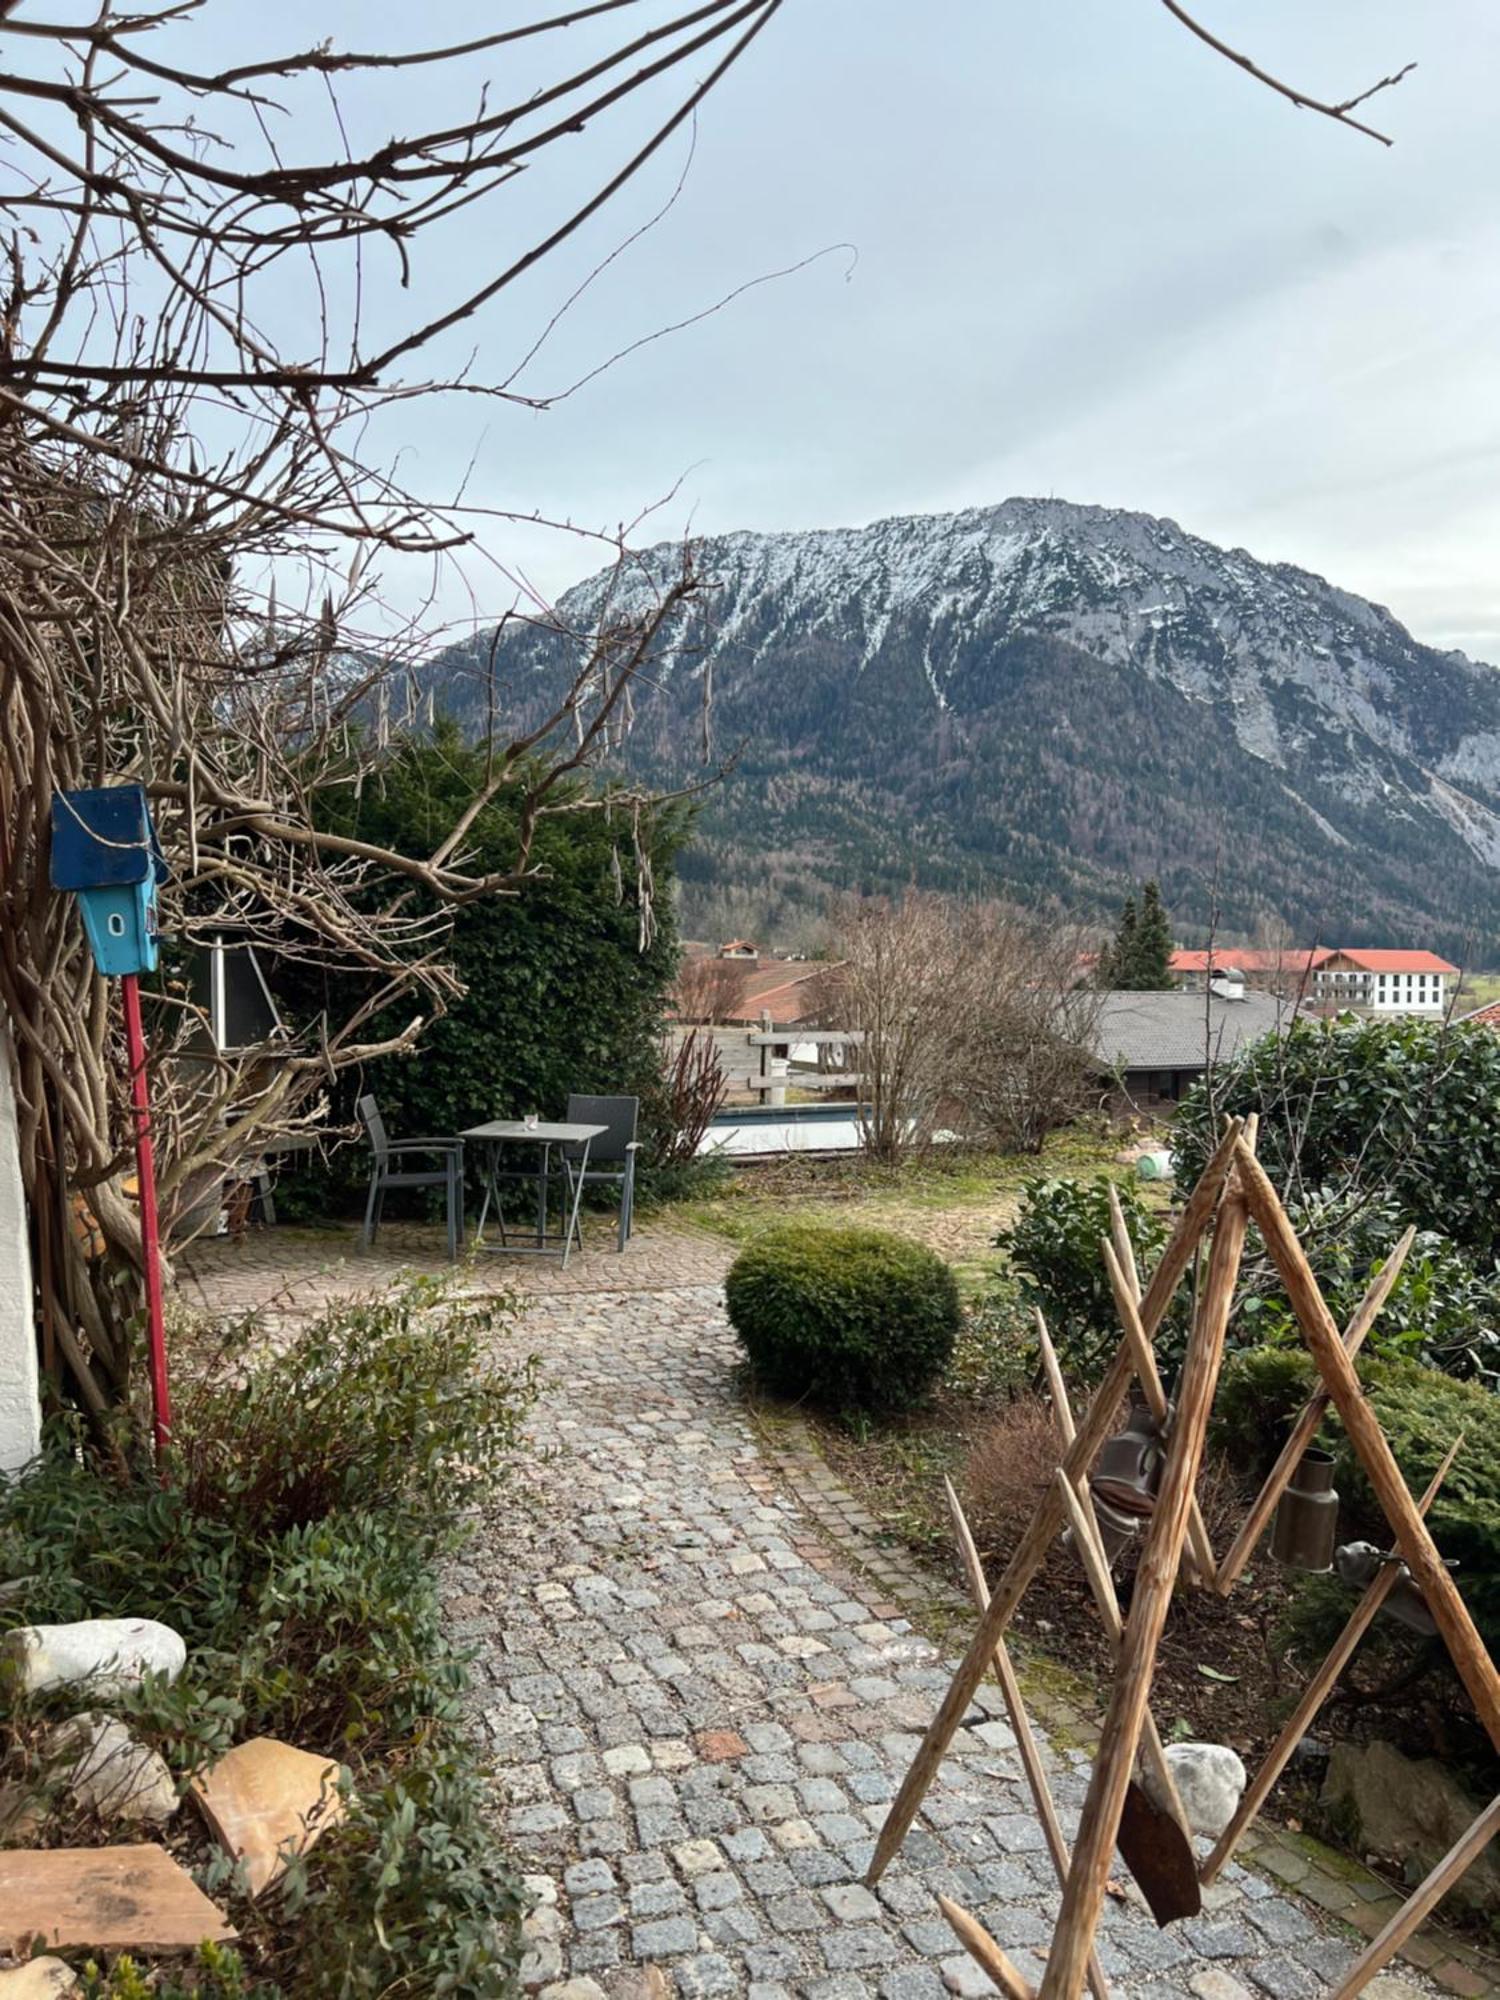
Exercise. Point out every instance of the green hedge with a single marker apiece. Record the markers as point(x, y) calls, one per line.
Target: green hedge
point(848, 1318)
point(558, 993)
point(1408, 1107)
point(1421, 1412)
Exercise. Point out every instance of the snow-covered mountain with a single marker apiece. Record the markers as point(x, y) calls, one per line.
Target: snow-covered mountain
point(1045, 700)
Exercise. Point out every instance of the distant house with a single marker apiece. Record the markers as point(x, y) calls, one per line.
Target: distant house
point(1330, 979)
point(1383, 982)
point(1161, 1043)
point(734, 986)
point(1266, 971)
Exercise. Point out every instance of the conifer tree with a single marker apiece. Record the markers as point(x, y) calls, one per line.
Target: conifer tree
point(1118, 956)
point(1152, 962)
point(1138, 959)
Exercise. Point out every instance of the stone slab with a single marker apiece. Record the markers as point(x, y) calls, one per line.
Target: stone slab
point(110, 1898)
point(267, 1801)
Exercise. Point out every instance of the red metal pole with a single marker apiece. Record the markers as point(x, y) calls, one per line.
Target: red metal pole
point(156, 1333)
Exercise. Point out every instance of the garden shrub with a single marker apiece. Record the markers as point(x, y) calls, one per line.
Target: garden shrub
point(1421, 1413)
point(1441, 1309)
point(1009, 1466)
point(380, 1402)
point(1053, 1248)
point(849, 1318)
point(1260, 1391)
point(1406, 1107)
point(307, 1594)
point(564, 987)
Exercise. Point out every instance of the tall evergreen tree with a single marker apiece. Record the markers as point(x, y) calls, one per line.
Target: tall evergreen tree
point(1152, 963)
point(1118, 956)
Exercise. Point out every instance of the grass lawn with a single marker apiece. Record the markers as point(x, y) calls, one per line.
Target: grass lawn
point(952, 1201)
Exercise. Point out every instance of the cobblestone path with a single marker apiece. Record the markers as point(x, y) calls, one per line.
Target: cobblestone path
point(699, 1715)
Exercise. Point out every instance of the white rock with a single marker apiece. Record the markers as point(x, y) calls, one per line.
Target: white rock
point(38, 1979)
point(109, 1654)
point(1210, 1780)
point(111, 1772)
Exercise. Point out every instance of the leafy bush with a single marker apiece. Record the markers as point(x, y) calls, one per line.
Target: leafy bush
point(1053, 1247)
point(1421, 1413)
point(850, 1318)
point(559, 992)
point(1441, 1310)
point(1260, 1391)
point(307, 1595)
point(381, 1402)
point(1405, 1107)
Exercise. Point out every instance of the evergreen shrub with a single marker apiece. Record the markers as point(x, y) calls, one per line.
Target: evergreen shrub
point(847, 1318)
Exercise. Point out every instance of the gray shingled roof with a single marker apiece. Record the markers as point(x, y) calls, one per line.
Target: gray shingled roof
point(1180, 1030)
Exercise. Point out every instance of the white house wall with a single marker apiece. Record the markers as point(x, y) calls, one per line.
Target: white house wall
point(20, 1409)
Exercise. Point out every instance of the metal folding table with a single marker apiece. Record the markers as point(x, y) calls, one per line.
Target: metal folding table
point(493, 1138)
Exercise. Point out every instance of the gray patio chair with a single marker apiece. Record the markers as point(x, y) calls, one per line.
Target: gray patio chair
point(611, 1157)
point(388, 1170)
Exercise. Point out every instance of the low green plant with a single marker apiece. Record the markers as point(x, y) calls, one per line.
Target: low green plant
point(847, 1318)
point(1260, 1391)
point(1443, 1309)
point(1421, 1413)
point(383, 1402)
point(1054, 1255)
point(217, 1973)
point(308, 1598)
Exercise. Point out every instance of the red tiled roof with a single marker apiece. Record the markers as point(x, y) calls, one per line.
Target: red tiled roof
point(1484, 1017)
point(1389, 961)
point(1239, 958)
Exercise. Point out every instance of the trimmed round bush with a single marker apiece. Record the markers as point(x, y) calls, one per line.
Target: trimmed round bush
point(849, 1318)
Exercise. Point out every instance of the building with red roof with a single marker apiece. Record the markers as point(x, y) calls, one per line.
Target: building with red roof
point(1331, 978)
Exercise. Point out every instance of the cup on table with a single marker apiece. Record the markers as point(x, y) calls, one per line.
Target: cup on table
point(529, 1121)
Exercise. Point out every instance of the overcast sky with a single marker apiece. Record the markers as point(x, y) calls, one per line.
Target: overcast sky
point(1088, 258)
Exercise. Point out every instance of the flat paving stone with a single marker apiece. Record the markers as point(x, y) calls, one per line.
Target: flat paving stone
point(696, 1713)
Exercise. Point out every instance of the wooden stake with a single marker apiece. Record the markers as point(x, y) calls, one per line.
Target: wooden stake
point(1096, 1568)
point(1465, 1647)
point(984, 1951)
point(1079, 1504)
point(1157, 1574)
point(1305, 1428)
point(1315, 1694)
point(1020, 1722)
point(1124, 1248)
point(1423, 1900)
point(1045, 1523)
point(1149, 1378)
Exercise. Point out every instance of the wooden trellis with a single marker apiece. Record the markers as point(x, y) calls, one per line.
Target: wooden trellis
point(1232, 1191)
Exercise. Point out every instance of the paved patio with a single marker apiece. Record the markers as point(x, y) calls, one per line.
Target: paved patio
point(699, 1702)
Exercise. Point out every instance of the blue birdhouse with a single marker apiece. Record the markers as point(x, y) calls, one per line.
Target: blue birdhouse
point(104, 849)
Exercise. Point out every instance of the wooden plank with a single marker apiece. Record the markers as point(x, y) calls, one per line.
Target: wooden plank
point(1467, 1650)
point(1020, 1721)
point(1147, 1374)
point(1044, 1526)
point(1306, 1426)
point(1091, 1550)
point(984, 1951)
point(1314, 1695)
point(1423, 1900)
point(1155, 1580)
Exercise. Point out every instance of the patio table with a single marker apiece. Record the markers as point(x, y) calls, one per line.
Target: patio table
point(493, 1138)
